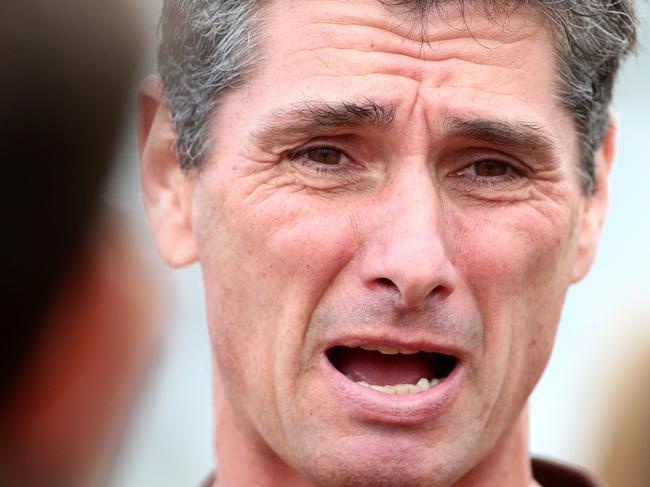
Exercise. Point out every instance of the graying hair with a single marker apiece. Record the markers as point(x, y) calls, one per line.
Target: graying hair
point(209, 46)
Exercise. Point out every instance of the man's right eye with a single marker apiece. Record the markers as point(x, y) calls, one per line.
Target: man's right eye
point(323, 159)
point(324, 155)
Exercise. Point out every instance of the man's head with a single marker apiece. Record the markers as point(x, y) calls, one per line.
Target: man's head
point(421, 178)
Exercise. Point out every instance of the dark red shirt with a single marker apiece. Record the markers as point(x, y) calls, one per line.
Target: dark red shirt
point(549, 473)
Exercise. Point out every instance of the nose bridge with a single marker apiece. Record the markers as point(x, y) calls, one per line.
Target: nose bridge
point(406, 250)
point(414, 218)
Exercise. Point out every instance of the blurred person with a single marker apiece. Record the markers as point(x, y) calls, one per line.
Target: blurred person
point(77, 333)
point(388, 201)
point(626, 450)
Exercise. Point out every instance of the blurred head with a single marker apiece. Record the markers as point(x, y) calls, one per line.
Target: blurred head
point(388, 201)
point(66, 70)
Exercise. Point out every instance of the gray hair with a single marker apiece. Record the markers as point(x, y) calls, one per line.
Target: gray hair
point(209, 46)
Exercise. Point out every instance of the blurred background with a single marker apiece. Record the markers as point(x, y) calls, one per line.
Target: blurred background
point(592, 406)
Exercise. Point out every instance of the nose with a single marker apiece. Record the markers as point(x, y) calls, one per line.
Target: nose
point(405, 252)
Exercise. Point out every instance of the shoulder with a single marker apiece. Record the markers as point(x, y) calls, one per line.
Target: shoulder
point(550, 473)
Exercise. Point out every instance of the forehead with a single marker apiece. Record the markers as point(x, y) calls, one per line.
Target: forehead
point(362, 46)
point(494, 65)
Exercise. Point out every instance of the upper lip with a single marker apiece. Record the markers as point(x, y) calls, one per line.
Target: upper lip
point(420, 344)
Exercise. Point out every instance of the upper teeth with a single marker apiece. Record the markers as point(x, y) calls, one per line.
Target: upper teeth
point(422, 385)
point(388, 350)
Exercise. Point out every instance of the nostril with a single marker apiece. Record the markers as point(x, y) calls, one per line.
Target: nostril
point(412, 295)
point(385, 282)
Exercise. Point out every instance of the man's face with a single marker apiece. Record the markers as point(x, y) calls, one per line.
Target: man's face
point(370, 189)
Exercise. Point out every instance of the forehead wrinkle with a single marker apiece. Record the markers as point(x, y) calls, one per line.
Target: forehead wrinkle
point(366, 52)
point(412, 23)
point(377, 40)
point(311, 117)
point(392, 62)
point(385, 25)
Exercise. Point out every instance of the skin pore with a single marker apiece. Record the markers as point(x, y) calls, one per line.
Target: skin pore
point(369, 186)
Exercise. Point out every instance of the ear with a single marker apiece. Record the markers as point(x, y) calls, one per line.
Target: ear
point(595, 205)
point(166, 189)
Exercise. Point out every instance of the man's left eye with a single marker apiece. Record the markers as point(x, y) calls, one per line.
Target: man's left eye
point(492, 173)
point(491, 169)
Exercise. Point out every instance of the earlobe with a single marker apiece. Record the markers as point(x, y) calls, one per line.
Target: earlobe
point(166, 189)
point(595, 205)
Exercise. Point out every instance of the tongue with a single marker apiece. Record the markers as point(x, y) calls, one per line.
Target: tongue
point(380, 369)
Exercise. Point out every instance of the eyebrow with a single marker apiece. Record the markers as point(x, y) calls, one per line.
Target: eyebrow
point(310, 118)
point(520, 136)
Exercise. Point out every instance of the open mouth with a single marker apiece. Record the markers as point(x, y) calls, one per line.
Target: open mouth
point(392, 370)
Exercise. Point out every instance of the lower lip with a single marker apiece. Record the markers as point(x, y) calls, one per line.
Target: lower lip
point(397, 409)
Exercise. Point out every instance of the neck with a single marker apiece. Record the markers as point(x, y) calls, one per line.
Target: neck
point(242, 455)
point(245, 459)
point(248, 464)
point(508, 463)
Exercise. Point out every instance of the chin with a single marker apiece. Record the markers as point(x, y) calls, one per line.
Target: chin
point(382, 460)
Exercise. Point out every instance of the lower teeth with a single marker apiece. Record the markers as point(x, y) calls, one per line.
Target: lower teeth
point(422, 385)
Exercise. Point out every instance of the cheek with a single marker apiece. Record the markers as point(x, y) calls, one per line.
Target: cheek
point(266, 263)
point(514, 253)
point(516, 265)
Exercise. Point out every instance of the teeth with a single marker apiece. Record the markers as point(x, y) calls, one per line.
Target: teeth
point(402, 388)
point(388, 350)
point(422, 385)
point(406, 351)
